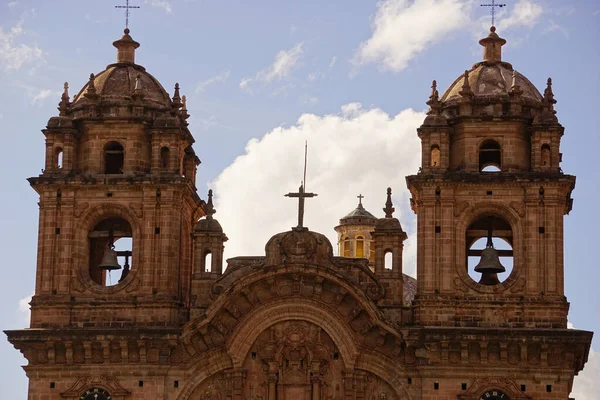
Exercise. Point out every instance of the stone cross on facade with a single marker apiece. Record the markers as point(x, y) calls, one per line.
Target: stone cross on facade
point(301, 195)
point(127, 7)
point(493, 5)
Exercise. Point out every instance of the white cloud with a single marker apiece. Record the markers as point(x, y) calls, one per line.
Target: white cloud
point(585, 384)
point(284, 62)
point(312, 76)
point(332, 62)
point(24, 307)
point(356, 151)
point(165, 5)
point(13, 56)
point(554, 27)
point(245, 84)
point(402, 29)
point(38, 96)
point(310, 100)
point(523, 13)
point(12, 4)
point(222, 77)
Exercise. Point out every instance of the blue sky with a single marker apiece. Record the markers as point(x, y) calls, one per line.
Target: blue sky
point(351, 77)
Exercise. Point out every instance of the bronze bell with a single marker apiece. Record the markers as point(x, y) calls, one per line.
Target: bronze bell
point(109, 260)
point(489, 266)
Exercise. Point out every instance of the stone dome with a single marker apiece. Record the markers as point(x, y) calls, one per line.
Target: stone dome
point(488, 81)
point(358, 216)
point(124, 83)
point(492, 78)
point(117, 83)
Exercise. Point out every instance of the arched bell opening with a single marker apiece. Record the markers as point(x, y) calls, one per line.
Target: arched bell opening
point(114, 158)
point(164, 157)
point(208, 261)
point(490, 156)
point(110, 251)
point(546, 154)
point(435, 156)
point(388, 260)
point(489, 250)
point(58, 157)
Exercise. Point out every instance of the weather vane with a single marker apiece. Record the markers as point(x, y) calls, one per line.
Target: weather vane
point(127, 7)
point(493, 5)
point(301, 195)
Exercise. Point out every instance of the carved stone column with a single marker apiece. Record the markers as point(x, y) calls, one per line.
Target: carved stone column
point(272, 380)
point(315, 380)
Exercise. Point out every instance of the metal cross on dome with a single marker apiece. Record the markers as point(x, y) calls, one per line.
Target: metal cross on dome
point(360, 197)
point(127, 7)
point(301, 195)
point(493, 5)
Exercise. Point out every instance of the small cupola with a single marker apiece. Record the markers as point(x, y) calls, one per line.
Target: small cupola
point(354, 233)
point(126, 48)
point(492, 47)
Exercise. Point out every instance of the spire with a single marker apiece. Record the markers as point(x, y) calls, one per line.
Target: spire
point(176, 98)
point(64, 104)
point(126, 48)
point(466, 87)
point(434, 102)
point(549, 97)
point(492, 47)
point(90, 93)
point(389, 209)
point(184, 113)
point(210, 209)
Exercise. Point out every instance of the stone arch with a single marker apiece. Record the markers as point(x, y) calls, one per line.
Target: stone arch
point(203, 368)
point(285, 310)
point(81, 246)
point(511, 216)
point(385, 369)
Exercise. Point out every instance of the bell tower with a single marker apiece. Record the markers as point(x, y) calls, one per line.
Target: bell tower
point(490, 198)
point(117, 210)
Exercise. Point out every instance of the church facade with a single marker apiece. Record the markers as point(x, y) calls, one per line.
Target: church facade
point(133, 299)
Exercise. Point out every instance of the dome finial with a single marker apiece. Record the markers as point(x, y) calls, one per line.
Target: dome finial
point(360, 197)
point(389, 209)
point(126, 48)
point(210, 209)
point(434, 101)
point(492, 46)
point(177, 98)
point(64, 104)
point(90, 93)
point(184, 113)
point(549, 97)
point(466, 87)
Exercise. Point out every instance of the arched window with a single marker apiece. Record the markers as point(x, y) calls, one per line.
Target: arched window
point(388, 260)
point(546, 161)
point(490, 156)
point(110, 251)
point(164, 157)
point(58, 157)
point(346, 247)
point(360, 247)
point(208, 261)
point(114, 158)
point(435, 156)
point(489, 250)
